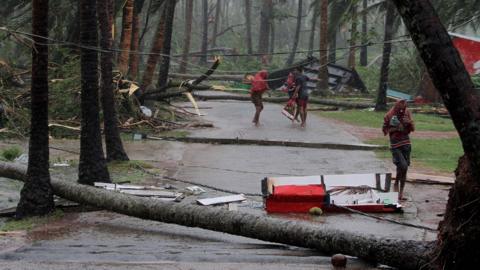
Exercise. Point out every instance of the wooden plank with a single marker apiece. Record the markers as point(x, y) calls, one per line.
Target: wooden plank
point(221, 200)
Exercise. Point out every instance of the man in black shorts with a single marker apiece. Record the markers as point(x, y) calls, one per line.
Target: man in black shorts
point(301, 94)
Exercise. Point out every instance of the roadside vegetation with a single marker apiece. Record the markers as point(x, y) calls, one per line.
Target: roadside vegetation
point(439, 154)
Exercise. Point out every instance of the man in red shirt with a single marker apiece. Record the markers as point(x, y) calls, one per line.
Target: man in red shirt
point(398, 123)
point(259, 86)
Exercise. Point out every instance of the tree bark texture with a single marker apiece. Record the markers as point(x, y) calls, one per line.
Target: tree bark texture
point(353, 36)
point(92, 166)
point(381, 104)
point(460, 230)
point(126, 37)
point(154, 53)
point(322, 84)
point(36, 197)
point(398, 253)
point(204, 47)
point(135, 43)
point(248, 24)
point(364, 48)
point(332, 48)
point(218, 9)
point(167, 43)
point(265, 21)
point(313, 27)
point(187, 35)
point(113, 142)
point(296, 38)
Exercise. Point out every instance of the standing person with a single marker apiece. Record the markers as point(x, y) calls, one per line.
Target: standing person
point(301, 94)
point(398, 123)
point(259, 86)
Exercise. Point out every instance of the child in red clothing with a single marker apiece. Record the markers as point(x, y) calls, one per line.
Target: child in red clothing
point(259, 86)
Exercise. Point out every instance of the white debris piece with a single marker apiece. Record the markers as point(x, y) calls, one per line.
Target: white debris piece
point(222, 200)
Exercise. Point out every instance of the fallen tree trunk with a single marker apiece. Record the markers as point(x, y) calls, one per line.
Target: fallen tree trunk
point(398, 253)
point(236, 78)
point(345, 104)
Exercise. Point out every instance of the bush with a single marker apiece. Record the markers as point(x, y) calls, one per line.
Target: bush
point(11, 153)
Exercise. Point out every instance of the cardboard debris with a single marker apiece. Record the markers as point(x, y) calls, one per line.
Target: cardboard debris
point(222, 200)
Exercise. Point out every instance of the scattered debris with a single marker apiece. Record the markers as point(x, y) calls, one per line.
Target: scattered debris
point(195, 190)
point(142, 191)
point(222, 200)
point(22, 159)
point(61, 165)
point(146, 111)
point(362, 192)
point(315, 211)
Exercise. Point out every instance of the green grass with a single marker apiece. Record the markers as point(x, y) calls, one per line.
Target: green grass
point(423, 122)
point(31, 222)
point(130, 171)
point(438, 154)
point(11, 153)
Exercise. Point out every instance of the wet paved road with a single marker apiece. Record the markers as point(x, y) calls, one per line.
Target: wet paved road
point(102, 240)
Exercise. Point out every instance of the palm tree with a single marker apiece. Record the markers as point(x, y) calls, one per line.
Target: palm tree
point(322, 84)
point(135, 43)
point(113, 142)
point(297, 34)
point(381, 104)
point(167, 41)
point(266, 15)
point(36, 197)
point(458, 237)
point(218, 10)
point(154, 52)
point(187, 35)
point(363, 49)
point(203, 57)
point(248, 22)
point(92, 166)
point(126, 37)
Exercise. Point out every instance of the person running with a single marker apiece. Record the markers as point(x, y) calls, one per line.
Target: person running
point(301, 95)
point(259, 86)
point(398, 124)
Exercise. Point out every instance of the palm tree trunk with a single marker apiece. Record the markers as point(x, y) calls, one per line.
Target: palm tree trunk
point(248, 22)
point(322, 84)
point(126, 37)
point(203, 57)
point(154, 53)
point(167, 42)
point(187, 35)
point(364, 48)
point(297, 34)
point(135, 43)
point(332, 48)
point(353, 36)
point(92, 166)
point(381, 104)
point(313, 27)
point(459, 231)
point(113, 141)
point(36, 197)
point(218, 10)
point(265, 27)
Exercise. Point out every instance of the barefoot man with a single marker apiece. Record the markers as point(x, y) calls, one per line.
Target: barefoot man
point(259, 86)
point(398, 123)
